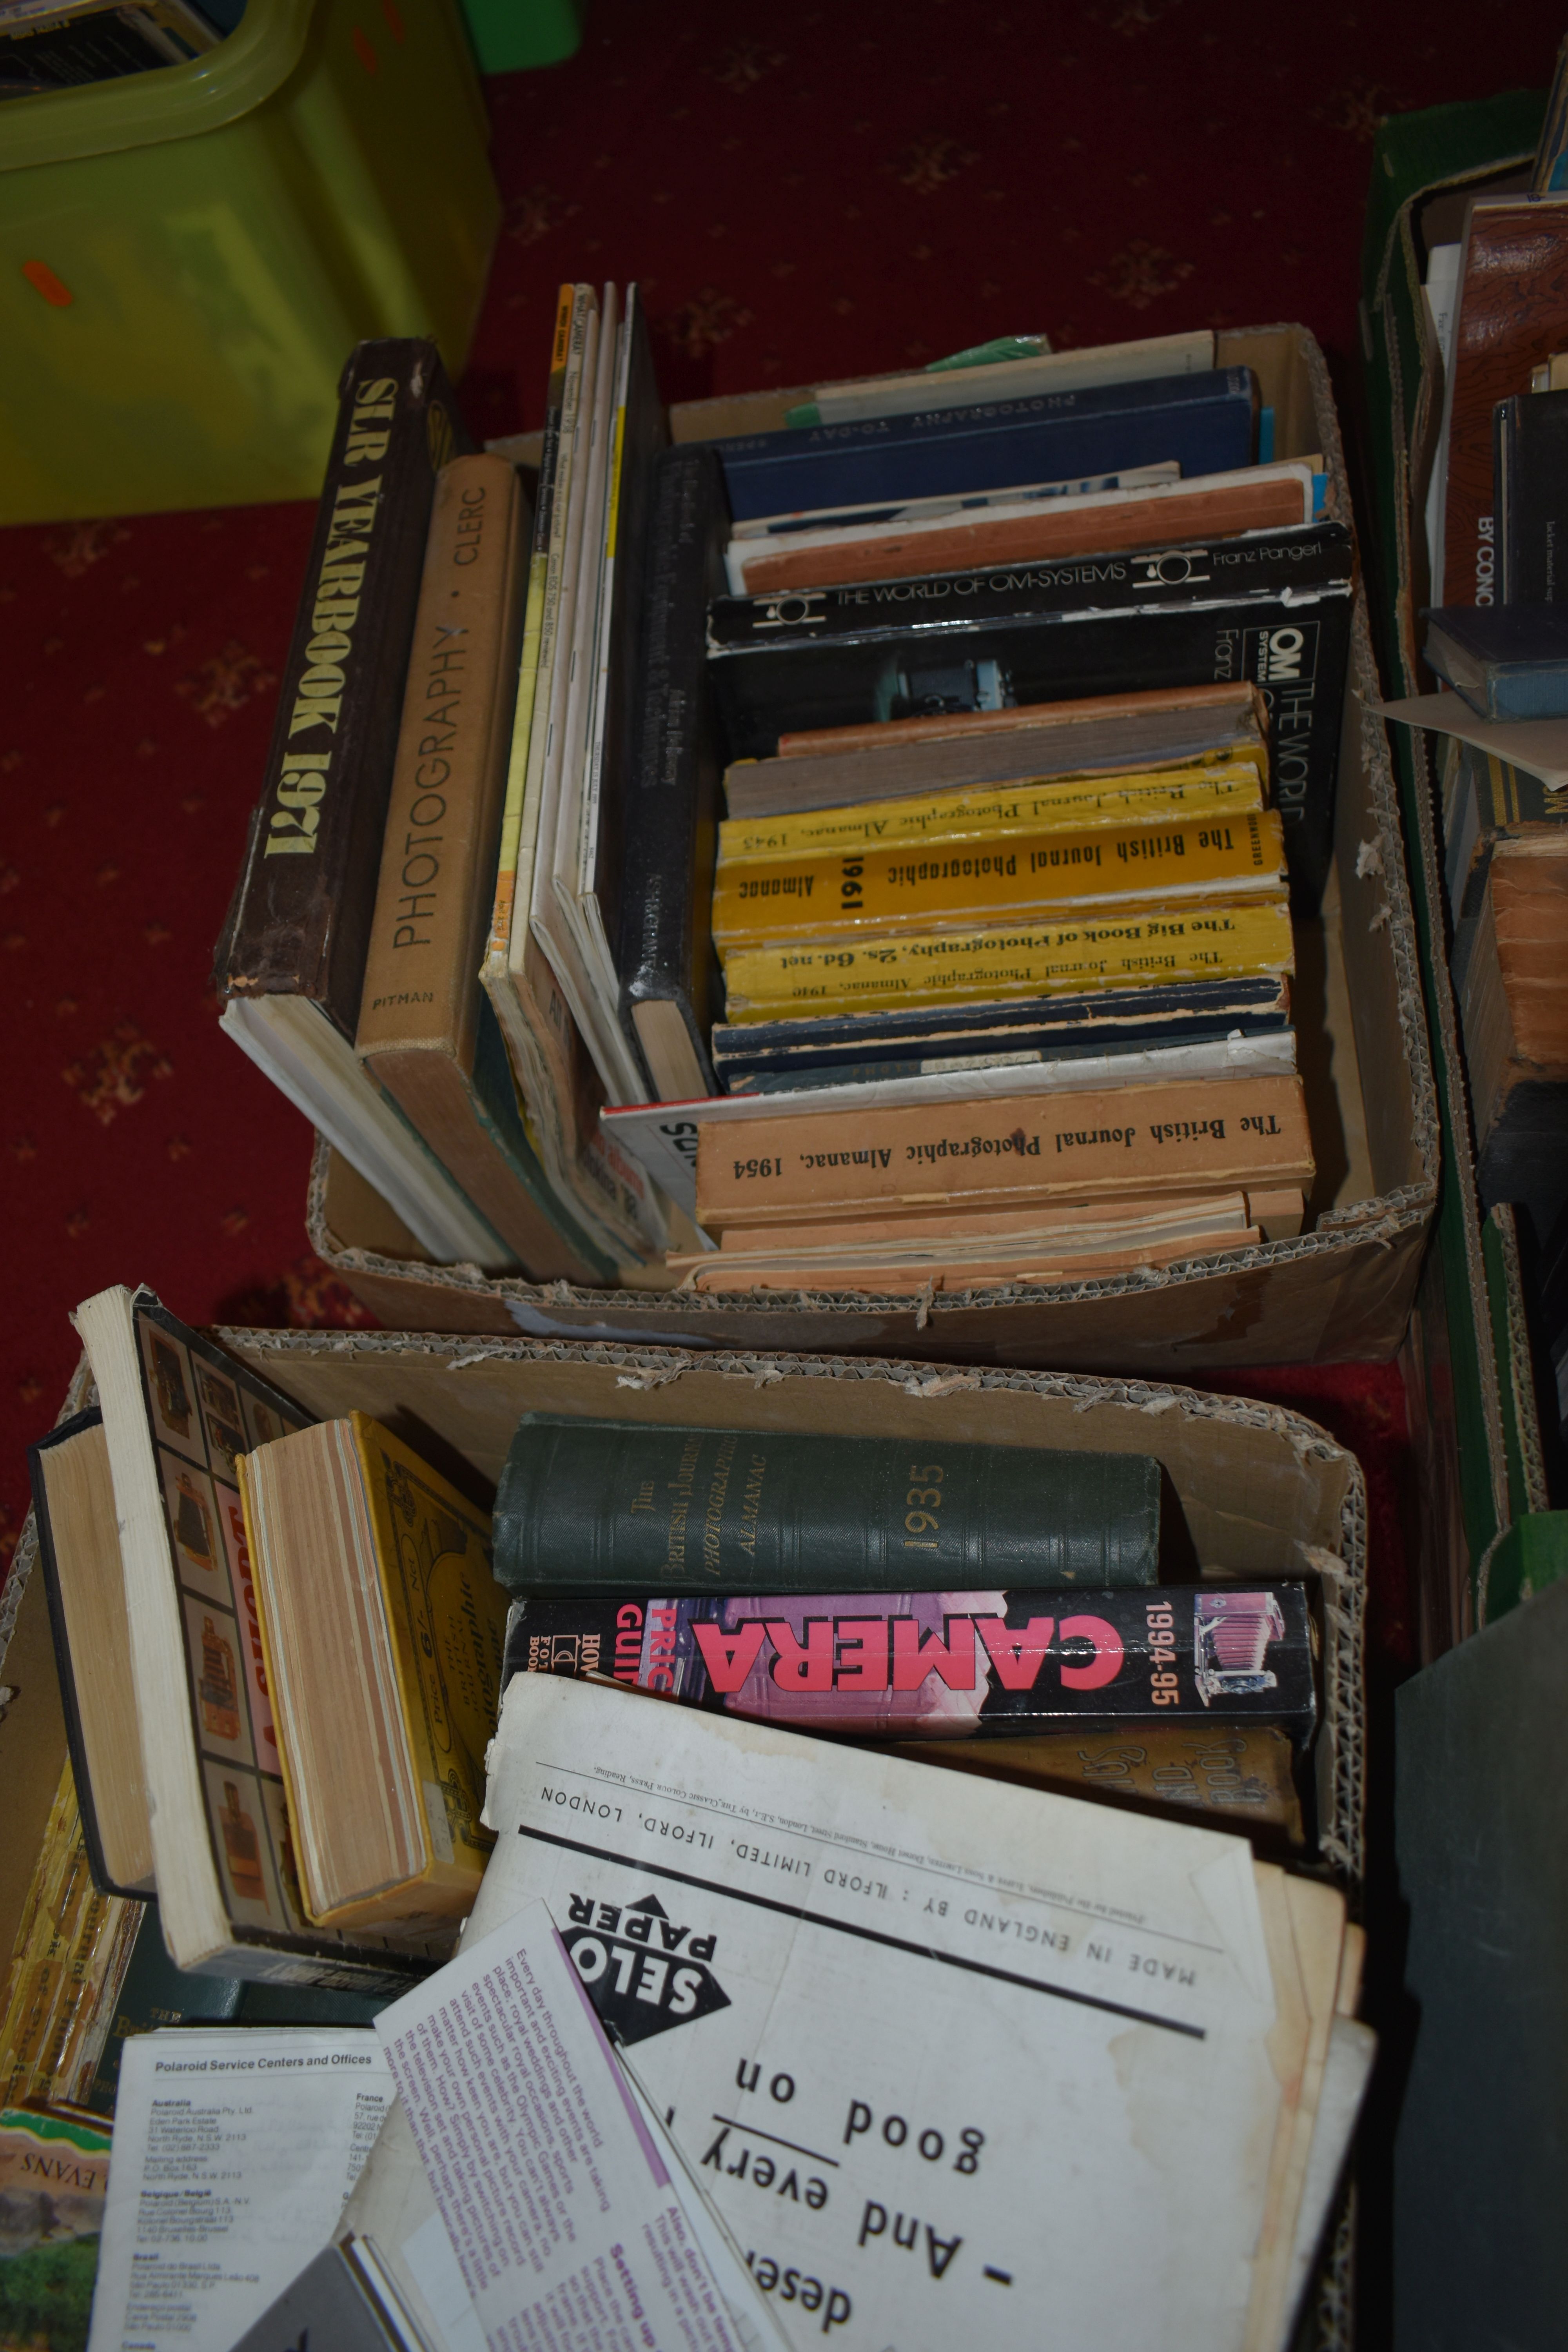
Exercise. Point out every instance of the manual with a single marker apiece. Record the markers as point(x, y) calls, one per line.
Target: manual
point(762, 1057)
point(873, 892)
point(179, 1415)
point(1090, 953)
point(891, 2029)
point(1117, 734)
point(947, 1666)
point(1271, 607)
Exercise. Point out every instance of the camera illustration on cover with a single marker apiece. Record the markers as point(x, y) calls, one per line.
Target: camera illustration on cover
point(1231, 1633)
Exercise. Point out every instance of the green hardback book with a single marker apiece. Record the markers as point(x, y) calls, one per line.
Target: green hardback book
point(599, 1505)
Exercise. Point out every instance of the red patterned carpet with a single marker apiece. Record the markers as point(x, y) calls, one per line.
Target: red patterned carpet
point(851, 188)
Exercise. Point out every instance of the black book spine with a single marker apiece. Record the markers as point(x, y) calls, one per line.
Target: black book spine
point(1254, 565)
point(1530, 497)
point(1296, 651)
point(301, 920)
point(1004, 1664)
point(674, 767)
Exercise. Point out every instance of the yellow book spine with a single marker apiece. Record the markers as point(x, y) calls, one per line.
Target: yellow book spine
point(1211, 942)
point(447, 1619)
point(1015, 879)
point(527, 683)
point(1164, 796)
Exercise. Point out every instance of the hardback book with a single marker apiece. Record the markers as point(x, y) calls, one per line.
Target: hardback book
point(1008, 1152)
point(937, 885)
point(290, 961)
point(1513, 289)
point(559, 1085)
point(1206, 421)
point(961, 503)
point(1530, 497)
point(613, 1506)
point(1514, 1008)
point(759, 1056)
point(1026, 531)
point(1091, 954)
point(1215, 788)
point(664, 1136)
point(1508, 661)
point(179, 1415)
point(382, 1629)
point(947, 1664)
point(1106, 735)
point(79, 1553)
point(1269, 607)
point(423, 1011)
point(1240, 1775)
point(664, 957)
point(807, 1944)
point(1046, 371)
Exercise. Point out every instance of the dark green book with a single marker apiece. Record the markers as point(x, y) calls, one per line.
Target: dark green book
point(602, 1505)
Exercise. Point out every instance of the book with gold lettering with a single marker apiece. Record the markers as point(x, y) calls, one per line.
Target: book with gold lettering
point(1029, 959)
point(290, 961)
point(180, 1414)
point(426, 1031)
point(1004, 877)
point(382, 1626)
point(626, 1507)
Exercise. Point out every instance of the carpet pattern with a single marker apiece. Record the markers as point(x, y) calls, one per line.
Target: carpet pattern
point(800, 194)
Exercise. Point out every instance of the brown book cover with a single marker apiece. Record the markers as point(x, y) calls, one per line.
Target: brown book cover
point(1195, 1136)
point(299, 923)
point(1050, 527)
point(426, 1031)
point(1513, 301)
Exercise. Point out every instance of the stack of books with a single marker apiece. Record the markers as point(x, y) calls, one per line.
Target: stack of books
point(321, 1706)
point(1020, 681)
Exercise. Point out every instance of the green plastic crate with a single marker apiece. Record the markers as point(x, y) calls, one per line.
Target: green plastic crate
point(187, 255)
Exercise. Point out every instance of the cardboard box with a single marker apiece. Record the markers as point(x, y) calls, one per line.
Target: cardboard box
point(1265, 1491)
point(1343, 1290)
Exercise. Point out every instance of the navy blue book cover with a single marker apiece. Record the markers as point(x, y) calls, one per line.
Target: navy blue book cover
point(1206, 423)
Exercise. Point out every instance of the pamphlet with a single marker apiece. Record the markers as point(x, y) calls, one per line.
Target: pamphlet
point(234, 2150)
point(567, 2223)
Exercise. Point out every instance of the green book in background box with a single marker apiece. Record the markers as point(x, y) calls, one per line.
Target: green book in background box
point(596, 1503)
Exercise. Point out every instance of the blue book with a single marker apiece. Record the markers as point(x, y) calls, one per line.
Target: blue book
point(1506, 661)
point(1206, 423)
